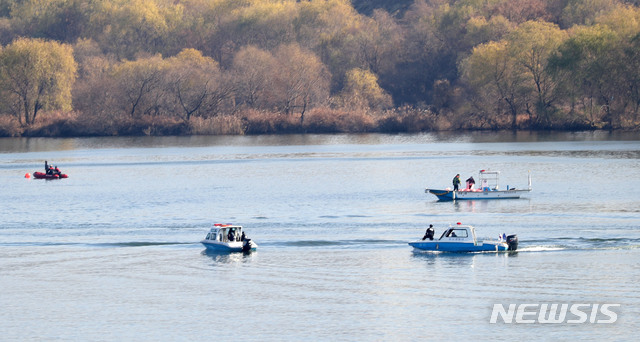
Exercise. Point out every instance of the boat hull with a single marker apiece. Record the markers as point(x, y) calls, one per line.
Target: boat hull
point(450, 195)
point(42, 175)
point(463, 247)
point(227, 247)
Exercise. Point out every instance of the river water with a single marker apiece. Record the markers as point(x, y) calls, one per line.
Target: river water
point(112, 253)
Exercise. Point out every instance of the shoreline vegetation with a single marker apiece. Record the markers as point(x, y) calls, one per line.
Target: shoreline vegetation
point(246, 122)
point(71, 68)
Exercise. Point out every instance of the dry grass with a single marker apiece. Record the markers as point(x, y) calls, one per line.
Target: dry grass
point(327, 120)
point(264, 122)
point(409, 119)
point(252, 121)
point(217, 125)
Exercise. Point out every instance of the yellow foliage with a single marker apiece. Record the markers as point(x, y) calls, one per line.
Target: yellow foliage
point(624, 20)
point(361, 88)
point(193, 57)
point(38, 75)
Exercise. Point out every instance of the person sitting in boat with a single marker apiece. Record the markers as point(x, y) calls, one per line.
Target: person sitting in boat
point(429, 233)
point(456, 182)
point(56, 171)
point(470, 183)
point(232, 235)
point(243, 237)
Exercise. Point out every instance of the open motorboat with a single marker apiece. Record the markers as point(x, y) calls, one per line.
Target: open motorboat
point(462, 238)
point(228, 238)
point(489, 189)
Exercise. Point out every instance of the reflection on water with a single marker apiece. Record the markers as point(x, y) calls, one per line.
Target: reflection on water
point(433, 259)
point(228, 257)
point(18, 145)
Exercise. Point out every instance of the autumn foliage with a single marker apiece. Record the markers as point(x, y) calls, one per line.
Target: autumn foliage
point(167, 67)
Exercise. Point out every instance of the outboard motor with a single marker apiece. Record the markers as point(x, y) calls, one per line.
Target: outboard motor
point(512, 241)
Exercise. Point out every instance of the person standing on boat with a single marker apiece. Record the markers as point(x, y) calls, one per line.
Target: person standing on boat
point(456, 182)
point(48, 169)
point(429, 234)
point(470, 183)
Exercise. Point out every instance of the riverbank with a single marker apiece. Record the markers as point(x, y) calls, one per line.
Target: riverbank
point(252, 122)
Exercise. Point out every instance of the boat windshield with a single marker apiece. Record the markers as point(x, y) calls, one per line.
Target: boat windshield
point(455, 232)
point(444, 233)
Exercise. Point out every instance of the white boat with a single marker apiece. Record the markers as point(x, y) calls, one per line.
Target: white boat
point(462, 238)
point(489, 189)
point(228, 238)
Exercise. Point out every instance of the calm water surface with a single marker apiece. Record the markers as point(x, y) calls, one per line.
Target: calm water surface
point(113, 252)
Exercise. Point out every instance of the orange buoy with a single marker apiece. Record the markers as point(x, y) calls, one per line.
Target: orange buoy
point(27, 175)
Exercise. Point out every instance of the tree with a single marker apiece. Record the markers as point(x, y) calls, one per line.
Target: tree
point(195, 84)
point(300, 79)
point(361, 89)
point(377, 43)
point(36, 75)
point(586, 57)
point(531, 44)
point(479, 30)
point(129, 27)
point(330, 29)
point(140, 85)
point(433, 36)
point(584, 12)
point(520, 11)
point(494, 76)
point(61, 20)
point(252, 68)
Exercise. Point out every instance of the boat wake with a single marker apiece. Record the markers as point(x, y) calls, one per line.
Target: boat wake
point(575, 244)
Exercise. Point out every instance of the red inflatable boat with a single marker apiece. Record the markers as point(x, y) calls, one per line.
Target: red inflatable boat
point(42, 175)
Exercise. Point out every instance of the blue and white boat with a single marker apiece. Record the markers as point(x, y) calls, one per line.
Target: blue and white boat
point(228, 238)
point(462, 238)
point(489, 189)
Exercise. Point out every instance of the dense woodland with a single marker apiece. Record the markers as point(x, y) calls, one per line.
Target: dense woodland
point(170, 67)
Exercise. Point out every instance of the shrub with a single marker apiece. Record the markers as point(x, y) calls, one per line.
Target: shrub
point(9, 126)
point(54, 124)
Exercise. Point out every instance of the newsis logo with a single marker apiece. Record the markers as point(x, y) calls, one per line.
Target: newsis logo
point(555, 313)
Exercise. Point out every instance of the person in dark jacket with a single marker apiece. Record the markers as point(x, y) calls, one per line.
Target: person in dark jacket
point(470, 183)
point(456, 182)
point(429, 233)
